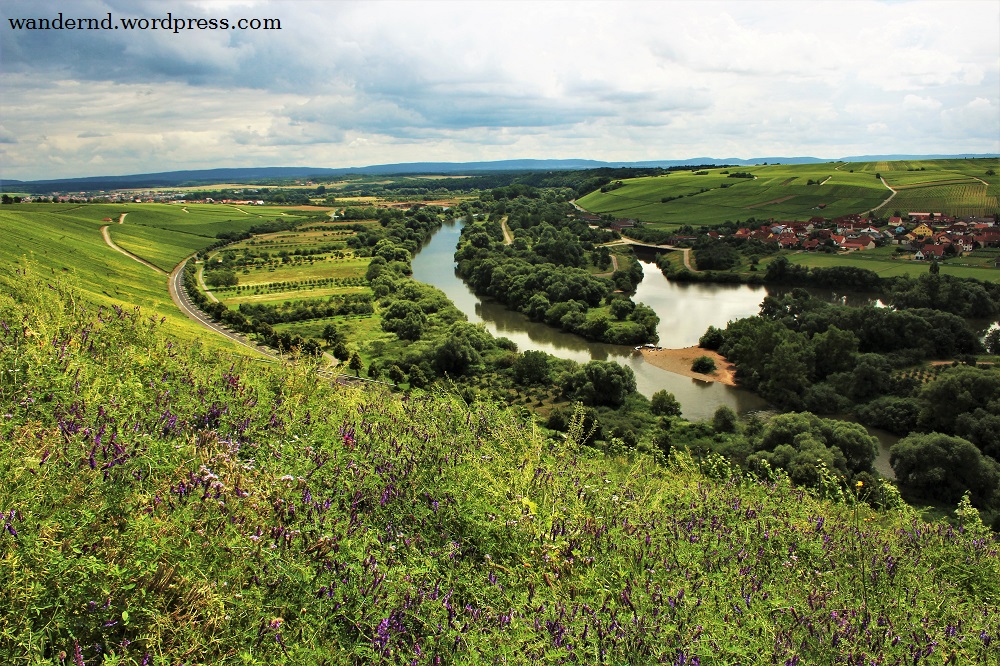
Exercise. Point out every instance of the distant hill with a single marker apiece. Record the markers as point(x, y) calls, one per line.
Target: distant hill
point(252, 174)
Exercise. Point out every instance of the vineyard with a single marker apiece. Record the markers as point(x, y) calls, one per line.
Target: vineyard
point(801, 191)
point(960, 199)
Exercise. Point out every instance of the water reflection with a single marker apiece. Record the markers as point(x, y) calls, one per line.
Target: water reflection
point(434, 264)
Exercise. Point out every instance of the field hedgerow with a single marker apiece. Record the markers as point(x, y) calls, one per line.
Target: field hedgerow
point(162, 505)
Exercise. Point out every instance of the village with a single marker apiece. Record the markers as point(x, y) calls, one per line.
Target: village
point(918, 236)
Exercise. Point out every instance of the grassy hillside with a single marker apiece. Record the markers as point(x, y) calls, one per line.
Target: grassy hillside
point(65, 240)
point(164, 505)
point(802, 191)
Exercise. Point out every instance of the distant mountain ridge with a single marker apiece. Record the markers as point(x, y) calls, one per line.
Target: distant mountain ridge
point(243, 174)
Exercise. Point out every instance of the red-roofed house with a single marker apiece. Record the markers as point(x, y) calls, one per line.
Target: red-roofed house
point(929, 252)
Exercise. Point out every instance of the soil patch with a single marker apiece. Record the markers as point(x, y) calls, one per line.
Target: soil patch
point(679, 362)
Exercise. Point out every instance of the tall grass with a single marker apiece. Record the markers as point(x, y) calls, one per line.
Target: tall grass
point(163, 505)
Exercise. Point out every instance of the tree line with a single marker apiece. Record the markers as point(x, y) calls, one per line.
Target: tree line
point(542, 273)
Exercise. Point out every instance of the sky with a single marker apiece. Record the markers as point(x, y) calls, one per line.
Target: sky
point(358, 83)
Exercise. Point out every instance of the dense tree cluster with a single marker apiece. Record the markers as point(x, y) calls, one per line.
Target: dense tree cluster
point(542, 272)
point(804, 353)
point(714, 254)
point(796, 442)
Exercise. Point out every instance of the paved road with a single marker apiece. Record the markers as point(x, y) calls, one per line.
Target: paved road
point(180, 298)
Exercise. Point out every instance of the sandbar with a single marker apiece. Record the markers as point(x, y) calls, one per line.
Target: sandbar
point(679, 362)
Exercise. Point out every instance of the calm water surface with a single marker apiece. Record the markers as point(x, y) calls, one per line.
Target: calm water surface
point(685, 311)
point(682, 323)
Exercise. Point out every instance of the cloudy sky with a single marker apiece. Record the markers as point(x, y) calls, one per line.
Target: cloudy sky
point(359, 83)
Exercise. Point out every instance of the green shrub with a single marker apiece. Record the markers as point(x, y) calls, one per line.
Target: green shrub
point(704, 365)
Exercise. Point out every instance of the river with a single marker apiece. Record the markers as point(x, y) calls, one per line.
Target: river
point(685, 311)
point(682, 323)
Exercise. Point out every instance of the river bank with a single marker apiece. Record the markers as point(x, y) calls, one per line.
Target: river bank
point(679, 361)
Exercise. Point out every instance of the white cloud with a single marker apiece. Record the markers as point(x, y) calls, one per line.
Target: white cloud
point(350, 83)
point(917, 103)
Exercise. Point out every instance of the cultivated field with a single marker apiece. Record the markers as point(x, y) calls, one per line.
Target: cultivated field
point(66, 239)
point(289, 269)
point(887, 266)
point(799, 192)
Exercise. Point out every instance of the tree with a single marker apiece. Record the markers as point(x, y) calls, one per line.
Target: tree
point(405, 319)
point(621, 308)
point(333, 335)
point(221, 278)
point(454, 355)
point(992, 342)
point(704, 365)
point(341, 352)
point(943, 467)
point(601, 383)
point(531, 367)
point(724, 419)
point(418, 378)
point(958, 391)
point(356, 364)
point(663, 403)
point(870, 378)
point(396, 375)
point(835, 351)
point(712, 339)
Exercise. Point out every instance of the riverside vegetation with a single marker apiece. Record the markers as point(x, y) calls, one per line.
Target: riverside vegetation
point(376, 319)
point(162, 503)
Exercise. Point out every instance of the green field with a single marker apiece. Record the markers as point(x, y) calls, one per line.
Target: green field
point(160, 247)
point(270, 274)
point(886, 266)
point(783, 192)
point(65, 239)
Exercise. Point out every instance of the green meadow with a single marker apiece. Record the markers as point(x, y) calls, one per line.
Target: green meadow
point(801, 191)
point(160, 505)
point(65, 239)
point(887, 266)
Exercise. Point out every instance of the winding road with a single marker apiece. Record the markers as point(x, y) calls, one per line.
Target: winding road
point(175, 285)
point(894, 192)
point(180, 298)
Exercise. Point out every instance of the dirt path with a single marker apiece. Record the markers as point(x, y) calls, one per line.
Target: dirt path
point(111, 244)
point(687, 259)
point(204, 287)
point(508, 237)
point(121, 218)
point(890, 196)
